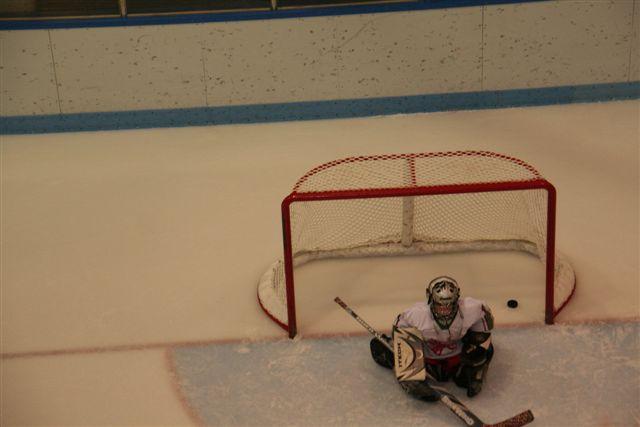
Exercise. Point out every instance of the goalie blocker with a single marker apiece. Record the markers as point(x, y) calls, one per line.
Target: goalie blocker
point(409, 366)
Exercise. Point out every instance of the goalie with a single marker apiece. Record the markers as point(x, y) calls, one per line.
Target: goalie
point(445, 337)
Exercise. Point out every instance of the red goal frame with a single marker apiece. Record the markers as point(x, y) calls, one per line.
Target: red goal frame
point(297, 196)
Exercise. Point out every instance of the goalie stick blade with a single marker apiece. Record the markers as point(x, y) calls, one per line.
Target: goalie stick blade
point(521, 419)
point(472, 420)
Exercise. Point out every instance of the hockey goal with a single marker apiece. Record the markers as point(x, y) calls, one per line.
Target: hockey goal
point(412, 204)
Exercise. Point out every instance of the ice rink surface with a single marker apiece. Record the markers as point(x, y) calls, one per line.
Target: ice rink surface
point(567, 375)
point(130, 261)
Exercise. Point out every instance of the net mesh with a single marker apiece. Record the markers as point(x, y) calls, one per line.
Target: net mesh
point(408, 170)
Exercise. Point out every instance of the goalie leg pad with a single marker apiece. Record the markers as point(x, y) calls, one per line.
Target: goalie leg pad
point(471, 376)
point(381, 354)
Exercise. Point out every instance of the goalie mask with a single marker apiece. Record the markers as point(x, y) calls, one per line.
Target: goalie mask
point(442, 296)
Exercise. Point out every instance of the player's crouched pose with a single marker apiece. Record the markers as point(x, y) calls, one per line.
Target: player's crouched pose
point(448, 336)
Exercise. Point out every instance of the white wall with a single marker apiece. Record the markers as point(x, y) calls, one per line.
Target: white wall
point(525, 45)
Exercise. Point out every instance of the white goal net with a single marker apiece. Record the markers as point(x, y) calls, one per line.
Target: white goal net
point(420, 203)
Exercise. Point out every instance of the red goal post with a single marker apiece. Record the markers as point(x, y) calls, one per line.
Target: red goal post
point(419, 203)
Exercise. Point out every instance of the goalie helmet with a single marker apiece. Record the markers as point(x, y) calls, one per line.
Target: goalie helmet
point(442, 296)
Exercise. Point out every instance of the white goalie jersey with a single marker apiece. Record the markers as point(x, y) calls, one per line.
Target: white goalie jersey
point(444, 343)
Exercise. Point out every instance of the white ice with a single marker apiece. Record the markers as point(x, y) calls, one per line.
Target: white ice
point(118, 248)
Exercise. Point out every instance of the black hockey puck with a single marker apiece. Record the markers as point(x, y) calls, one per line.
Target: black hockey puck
point(512, 303)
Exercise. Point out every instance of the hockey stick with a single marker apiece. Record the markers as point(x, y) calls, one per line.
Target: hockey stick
point(444, 397)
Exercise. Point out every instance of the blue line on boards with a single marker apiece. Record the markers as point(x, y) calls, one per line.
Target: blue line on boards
point(317, 110)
